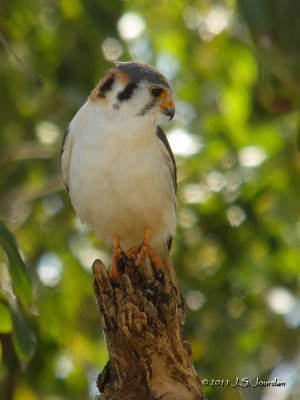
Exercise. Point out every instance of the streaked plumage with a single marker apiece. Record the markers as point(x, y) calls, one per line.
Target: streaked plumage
point(117, 163)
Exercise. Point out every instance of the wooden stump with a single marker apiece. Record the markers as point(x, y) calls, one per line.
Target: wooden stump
point(149, 358)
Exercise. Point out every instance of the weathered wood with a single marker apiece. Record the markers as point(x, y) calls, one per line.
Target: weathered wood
point(149, 358)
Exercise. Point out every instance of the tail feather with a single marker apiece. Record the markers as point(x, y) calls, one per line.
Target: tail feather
point(169, 271)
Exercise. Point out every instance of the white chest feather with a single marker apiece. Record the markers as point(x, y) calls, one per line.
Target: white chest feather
point(119, 180)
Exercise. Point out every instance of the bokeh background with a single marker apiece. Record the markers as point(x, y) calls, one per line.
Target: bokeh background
point(235, 70)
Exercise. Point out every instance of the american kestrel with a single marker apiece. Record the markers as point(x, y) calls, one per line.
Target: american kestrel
point(119, 168)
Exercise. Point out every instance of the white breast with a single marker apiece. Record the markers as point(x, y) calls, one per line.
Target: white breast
point(119, 181)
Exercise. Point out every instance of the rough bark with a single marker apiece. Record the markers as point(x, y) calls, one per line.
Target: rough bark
point(148, 356)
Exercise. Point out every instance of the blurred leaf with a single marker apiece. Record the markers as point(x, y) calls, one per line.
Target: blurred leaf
point(23, 339)
point(17, 268)
point(5, 319)
point(256, 13)
point(298, 138)
point(274, 29)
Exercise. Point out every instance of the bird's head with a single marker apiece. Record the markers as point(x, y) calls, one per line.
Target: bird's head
point(134, 89)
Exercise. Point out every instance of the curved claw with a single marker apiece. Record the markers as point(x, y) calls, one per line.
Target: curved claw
point(146, 249)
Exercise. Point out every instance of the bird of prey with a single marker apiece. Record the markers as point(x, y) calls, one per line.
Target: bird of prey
point(119, 168)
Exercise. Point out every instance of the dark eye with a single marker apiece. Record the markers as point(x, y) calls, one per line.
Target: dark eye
point(156, 92)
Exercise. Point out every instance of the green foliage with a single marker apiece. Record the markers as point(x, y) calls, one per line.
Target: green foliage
point(11, 319)
point(17, 269)
point(274, 29)
point(6, 325)
point(23, 340)
point(234, 135)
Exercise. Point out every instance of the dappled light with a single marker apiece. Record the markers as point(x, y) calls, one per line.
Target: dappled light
point(131, 25)
point(214, 23)
point(282, 301)
point(112, 49)
point(183, 143)
point(194, 299)
point(195, 193)
point(63, 366)
point(47, 132)
point(49, 269)
point(236, 215)
point(251, 156)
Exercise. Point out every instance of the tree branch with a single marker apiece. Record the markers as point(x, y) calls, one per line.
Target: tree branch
point(38, 82)
point(149, 358)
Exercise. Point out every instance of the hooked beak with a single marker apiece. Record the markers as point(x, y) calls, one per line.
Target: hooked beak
point(168, 108)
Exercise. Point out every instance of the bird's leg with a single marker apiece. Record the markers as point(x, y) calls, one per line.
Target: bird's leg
point(132, 251)
point(117, 255)
point(146, 249)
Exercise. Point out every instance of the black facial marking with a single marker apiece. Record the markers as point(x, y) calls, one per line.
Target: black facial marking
point(147, 107)
point(127, 92)
point(106, 87)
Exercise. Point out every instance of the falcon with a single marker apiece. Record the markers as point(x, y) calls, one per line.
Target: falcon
point(119, 169)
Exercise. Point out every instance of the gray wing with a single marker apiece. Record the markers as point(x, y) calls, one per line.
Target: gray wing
point(166, 247)
point(169, 156)
point(66, 150)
